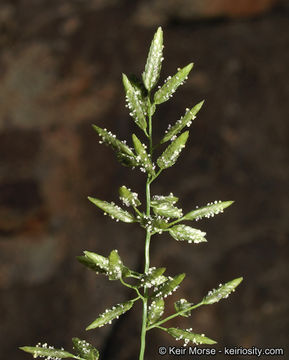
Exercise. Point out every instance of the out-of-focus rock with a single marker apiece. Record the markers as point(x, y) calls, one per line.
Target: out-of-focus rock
point(159, 11)
point(28, 260)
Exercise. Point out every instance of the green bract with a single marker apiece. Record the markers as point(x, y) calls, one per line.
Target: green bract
point(154, 215)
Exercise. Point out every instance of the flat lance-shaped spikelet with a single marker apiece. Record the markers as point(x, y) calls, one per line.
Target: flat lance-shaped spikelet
point(123, 152)
point(47, 351)
point(187, 233)
point(222, 292)
point(135, 103)
point(115, 266)
point(168, 287)
point(155, 311)
point(94, 262)
point(210, 210)
point(184, 121)
point(171, 84)
point(153, 277)
point(113, 210)
point(99, 260)
point(137, 83)
point(160, 199)
point(111, 314)
point(154, 223)
point(172, 152)
point(128, 197)
point(187, 336)
point(154, 61)
point(143, 157)
point(159, 224)
point(111, 266)
point(84, 349)
point(182, 305)
point(167, 210)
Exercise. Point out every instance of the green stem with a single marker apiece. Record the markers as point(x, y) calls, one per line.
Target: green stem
point(135, 299)
point(173, 316)
point(176, 221)
point(137, 211)
point(147, 245)
point(148, 234)
point(147, 264)
point(156, 175)
point(131, 287)
point(162, 328)
point(134, 275)
point(150, 128)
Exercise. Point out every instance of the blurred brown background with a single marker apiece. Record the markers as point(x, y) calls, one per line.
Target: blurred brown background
point(61, 64)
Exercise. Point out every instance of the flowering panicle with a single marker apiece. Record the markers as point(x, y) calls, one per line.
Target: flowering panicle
point(156, 214)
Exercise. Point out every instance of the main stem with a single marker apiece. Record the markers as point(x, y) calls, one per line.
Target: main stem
point(147, 264)
point(147, 248)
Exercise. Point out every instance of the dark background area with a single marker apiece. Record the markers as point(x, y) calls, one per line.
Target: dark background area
point(60, 71)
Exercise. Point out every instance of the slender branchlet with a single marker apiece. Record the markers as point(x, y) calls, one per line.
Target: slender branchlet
point(158, 215)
